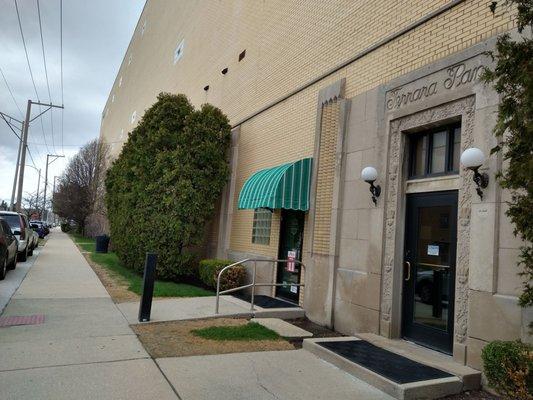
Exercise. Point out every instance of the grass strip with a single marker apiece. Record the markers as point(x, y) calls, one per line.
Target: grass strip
point(111, 262)
point(250, 331)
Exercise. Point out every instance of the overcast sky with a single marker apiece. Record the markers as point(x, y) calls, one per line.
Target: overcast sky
point(96, 34)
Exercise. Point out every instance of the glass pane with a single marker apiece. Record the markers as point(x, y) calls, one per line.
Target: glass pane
point(438, 153)
point(419, 160)
point(456, 151)
point(433, 267)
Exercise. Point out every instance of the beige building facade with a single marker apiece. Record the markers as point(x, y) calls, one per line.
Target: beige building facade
point(349, 84)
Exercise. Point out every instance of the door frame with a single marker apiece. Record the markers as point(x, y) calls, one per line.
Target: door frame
point(410, 330)
point(279, 266)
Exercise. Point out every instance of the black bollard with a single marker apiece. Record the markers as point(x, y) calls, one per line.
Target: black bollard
point(148, 287)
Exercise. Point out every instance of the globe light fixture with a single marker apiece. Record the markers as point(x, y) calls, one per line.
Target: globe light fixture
point(473, 158)
point(369, 175)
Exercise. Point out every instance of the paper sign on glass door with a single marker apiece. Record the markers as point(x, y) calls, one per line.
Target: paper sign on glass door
point(291, 265)
point(433, 250)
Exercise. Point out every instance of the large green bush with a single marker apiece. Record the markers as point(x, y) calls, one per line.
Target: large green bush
point(233, 277)
point(161, 190)
point(508, 367)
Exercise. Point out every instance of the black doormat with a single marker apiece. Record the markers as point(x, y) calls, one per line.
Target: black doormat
point(265, 301)
point(383, 362)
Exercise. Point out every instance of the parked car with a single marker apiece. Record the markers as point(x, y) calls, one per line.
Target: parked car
point(21, 229)
point(8, 249)
point(38, 228)
point(43, 225)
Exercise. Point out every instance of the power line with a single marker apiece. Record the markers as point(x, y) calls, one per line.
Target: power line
point(61, 50)
point(11, 93)
point(29, 67)
point(26, 51)
point(46, 71)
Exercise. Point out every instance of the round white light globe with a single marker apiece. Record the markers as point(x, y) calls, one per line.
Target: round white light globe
point(369, 174)
point(472, 158)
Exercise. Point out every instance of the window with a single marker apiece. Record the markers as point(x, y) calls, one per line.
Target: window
point(120, 82)
point(435, 152)
point(178, 53)
point(133, 117)
point(242, 55)
point(261, 226)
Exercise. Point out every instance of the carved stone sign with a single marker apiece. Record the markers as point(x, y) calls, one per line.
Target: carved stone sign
point(455, 76)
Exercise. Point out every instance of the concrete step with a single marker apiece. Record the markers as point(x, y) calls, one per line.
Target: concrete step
point(426, 389)
point(283, 328)
point(470, 377)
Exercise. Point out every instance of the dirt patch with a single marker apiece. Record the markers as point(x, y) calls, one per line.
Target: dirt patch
point(318, 331)
point(115, 286)
point(174, 339)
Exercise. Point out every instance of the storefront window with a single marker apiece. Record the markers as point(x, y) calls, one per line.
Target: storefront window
point(261, 226)
point(435, 152)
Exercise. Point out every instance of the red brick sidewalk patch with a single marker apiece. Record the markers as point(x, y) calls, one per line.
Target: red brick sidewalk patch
point(22, 320)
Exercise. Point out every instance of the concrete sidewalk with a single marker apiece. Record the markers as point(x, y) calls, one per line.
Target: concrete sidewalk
point(85, 348)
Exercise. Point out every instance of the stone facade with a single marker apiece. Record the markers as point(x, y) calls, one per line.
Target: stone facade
point(345, 83)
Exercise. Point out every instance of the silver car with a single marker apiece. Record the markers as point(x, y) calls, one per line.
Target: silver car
point(21, 229)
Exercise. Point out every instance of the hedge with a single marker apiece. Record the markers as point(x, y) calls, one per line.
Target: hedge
point(208, 272)
point(162, 189)
point(508, 367)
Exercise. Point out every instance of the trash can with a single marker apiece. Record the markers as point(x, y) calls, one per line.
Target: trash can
point(102, 243)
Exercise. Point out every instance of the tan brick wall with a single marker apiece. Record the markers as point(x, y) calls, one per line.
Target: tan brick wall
point(287, 44)
point(325, 177)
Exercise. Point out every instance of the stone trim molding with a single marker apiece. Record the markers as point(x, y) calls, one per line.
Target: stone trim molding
point(395, 207)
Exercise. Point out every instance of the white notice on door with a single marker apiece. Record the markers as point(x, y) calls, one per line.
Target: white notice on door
point(433, 250)
point(294, 289)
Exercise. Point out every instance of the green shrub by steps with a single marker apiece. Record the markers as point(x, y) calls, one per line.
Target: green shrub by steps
point(508, 367)
point(208, 271)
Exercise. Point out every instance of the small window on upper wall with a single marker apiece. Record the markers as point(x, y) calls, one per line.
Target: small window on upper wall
point(435, 152)
point(261, 226)
point(178, 53)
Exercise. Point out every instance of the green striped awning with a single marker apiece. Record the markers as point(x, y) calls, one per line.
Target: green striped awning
point(285, 186)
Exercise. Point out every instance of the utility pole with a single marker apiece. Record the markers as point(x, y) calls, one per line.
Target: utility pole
point(46, 181)
point(9, 121)
point(24, 140)
point(38, 184)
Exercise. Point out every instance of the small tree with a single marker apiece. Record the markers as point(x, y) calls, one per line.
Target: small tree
point(76, 192)
point(162, 189)
point(512, 79)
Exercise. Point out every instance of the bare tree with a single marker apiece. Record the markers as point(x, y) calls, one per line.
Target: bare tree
point(78, 187)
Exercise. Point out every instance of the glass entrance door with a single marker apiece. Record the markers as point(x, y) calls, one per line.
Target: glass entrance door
point(429, 269)
point(290, 248)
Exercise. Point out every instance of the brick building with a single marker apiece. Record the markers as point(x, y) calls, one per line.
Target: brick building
point(316, 91)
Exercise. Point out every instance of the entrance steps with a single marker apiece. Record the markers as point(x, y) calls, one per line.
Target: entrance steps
point(398, 368)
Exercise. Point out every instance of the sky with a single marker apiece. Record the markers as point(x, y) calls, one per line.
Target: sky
point(96, 35)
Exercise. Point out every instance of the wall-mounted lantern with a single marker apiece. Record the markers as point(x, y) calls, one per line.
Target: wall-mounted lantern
point(473, 158)
point(369, 175)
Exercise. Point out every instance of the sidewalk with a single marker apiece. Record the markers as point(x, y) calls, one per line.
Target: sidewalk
point(85, 348)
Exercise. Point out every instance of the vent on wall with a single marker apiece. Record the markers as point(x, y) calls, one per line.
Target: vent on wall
point(242, 55)
point(224, 71)
point(178, 53)
point(206, 88)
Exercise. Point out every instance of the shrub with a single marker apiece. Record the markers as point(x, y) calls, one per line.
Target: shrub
point(209, 269)
point(65, 227)
point(509, 368)
point(161, 190)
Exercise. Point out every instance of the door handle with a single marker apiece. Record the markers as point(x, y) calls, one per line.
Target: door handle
point(408, 264)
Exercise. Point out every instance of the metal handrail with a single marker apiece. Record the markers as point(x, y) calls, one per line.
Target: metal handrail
point(254, 283)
